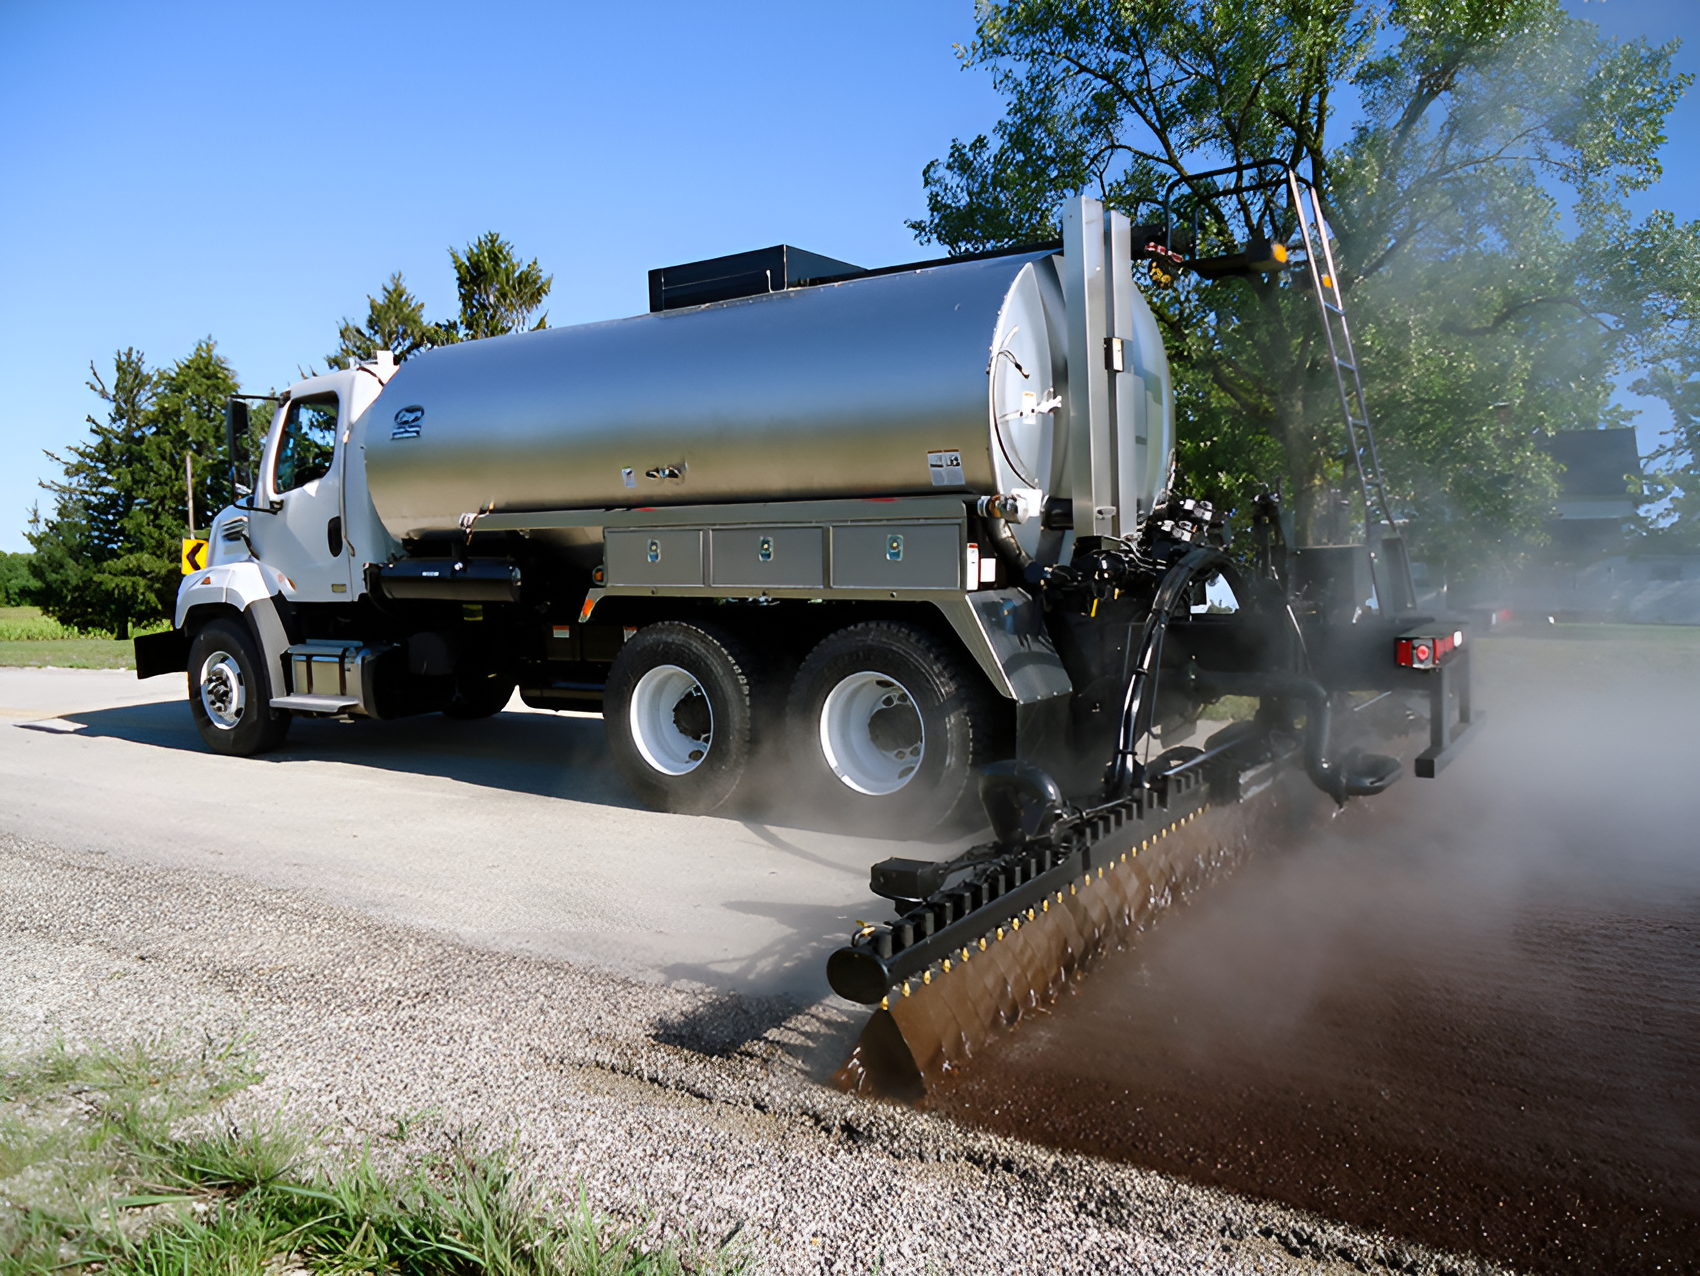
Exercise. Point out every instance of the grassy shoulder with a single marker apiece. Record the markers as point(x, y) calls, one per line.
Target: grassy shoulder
point(27, 637)
point(69, 653)
point(116, 1161)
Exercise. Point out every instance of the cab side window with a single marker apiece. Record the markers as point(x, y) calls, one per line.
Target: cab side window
point(308, 442)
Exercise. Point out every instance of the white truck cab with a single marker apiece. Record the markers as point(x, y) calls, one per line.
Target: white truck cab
point(310, 518)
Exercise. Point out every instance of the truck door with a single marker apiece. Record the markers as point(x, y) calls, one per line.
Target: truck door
point(304, 539)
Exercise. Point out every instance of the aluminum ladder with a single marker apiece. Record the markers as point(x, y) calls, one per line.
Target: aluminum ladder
point(1395, 589)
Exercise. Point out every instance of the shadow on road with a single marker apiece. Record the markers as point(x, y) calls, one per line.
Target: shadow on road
point(535, 753)
point(519, 752)
point(815, 1038)
point(794, 961)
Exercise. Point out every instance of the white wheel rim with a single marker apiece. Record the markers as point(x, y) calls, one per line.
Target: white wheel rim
point(871, 733)
point(672, 722)
point(222, 693)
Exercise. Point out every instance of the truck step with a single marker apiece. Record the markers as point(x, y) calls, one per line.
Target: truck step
point(315, 704)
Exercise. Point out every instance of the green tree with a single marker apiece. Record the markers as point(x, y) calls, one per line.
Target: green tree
point(498, 295)
point(107, 556)
point(1480, 323)
point(1673, 475)
point(395, 321)
point(17, 581)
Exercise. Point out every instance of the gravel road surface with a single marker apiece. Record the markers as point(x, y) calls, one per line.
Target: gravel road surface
point(470, 928)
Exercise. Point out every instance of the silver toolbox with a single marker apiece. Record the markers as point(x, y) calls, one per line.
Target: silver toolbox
point(898, 556)
point(767, 557)
point(663, 556)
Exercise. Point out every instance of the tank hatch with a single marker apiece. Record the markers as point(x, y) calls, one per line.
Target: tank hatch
point(751, 274)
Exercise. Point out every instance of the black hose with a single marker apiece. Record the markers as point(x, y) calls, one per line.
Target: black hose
point(1358, 775)
point(1139, 703)
point(1015, 559)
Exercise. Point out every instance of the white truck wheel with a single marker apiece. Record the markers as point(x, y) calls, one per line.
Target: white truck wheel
point(229, 693)
point(678, 713)
point(890, 725)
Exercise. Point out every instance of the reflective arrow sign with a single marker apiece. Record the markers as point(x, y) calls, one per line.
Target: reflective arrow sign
point(194, 556)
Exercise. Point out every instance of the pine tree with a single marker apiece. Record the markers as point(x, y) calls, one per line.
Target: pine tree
point(498, 295)
point(107, 556)
point(395, 321)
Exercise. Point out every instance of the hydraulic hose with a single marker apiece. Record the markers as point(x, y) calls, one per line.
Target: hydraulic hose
point(1358, 776)
point(1139, 704)
point(1015, 559)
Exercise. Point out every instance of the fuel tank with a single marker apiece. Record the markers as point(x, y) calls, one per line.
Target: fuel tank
point(943, 378)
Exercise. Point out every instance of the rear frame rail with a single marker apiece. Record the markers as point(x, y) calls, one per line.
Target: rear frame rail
point(1448, 735)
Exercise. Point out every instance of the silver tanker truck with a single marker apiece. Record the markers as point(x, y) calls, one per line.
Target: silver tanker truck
point(864, 531)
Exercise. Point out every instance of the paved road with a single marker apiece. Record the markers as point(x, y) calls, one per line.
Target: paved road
point(151, 888)
point(513, 833)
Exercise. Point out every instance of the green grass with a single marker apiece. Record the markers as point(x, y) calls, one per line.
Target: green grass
point(70, 653)
point(27, 637)
point(1657, 635)
point(116, 1161)
point(27, 624)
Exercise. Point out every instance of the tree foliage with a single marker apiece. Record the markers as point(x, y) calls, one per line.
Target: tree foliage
point(1482, 321)
point(498, 294)
point(107, 555)
point(17, 581)
point(395, 321)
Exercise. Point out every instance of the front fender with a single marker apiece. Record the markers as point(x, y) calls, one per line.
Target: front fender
point(250, 588)
point(237, 585)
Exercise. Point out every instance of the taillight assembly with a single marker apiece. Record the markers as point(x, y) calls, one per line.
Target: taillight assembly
point(1428, 650)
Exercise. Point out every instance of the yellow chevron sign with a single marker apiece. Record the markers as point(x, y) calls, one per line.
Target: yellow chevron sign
point(194, 556)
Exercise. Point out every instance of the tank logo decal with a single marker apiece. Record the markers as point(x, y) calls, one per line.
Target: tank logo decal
point(630, 476)
point(945, 469)
point(407, 422)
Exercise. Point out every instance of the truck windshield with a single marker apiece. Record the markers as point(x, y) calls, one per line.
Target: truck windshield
point(309, 440)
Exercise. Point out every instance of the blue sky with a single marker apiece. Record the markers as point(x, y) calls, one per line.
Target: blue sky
point(173, 171)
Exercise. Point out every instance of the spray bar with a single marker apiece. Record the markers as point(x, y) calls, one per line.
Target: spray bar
point(1009, 886)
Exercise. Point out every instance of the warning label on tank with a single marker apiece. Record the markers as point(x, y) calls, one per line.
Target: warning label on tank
point(945, 469)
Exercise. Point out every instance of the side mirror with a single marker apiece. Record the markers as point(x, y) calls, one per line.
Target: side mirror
point(236, 446)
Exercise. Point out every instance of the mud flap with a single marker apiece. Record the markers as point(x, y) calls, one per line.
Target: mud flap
point(162, 653)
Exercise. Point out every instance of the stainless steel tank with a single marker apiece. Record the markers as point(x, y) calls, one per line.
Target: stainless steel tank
point(946, 378)
point(864, 388)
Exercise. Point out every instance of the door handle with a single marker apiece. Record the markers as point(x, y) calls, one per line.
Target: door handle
point(333, 536)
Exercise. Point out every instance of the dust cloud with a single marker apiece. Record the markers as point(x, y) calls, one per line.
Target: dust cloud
point(1467, 1012)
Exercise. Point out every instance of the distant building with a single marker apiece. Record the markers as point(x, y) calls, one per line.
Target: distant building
point(1596, 497)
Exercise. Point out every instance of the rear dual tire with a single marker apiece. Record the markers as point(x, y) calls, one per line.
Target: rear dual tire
point(678, 709)
point(889, 728)
point(881, 733)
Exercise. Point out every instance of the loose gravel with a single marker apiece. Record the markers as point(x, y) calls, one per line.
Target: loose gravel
point(708, 1114)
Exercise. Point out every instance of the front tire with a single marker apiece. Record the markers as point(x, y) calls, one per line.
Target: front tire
point(229, 693)
point(891, 727)
point(678, 711)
